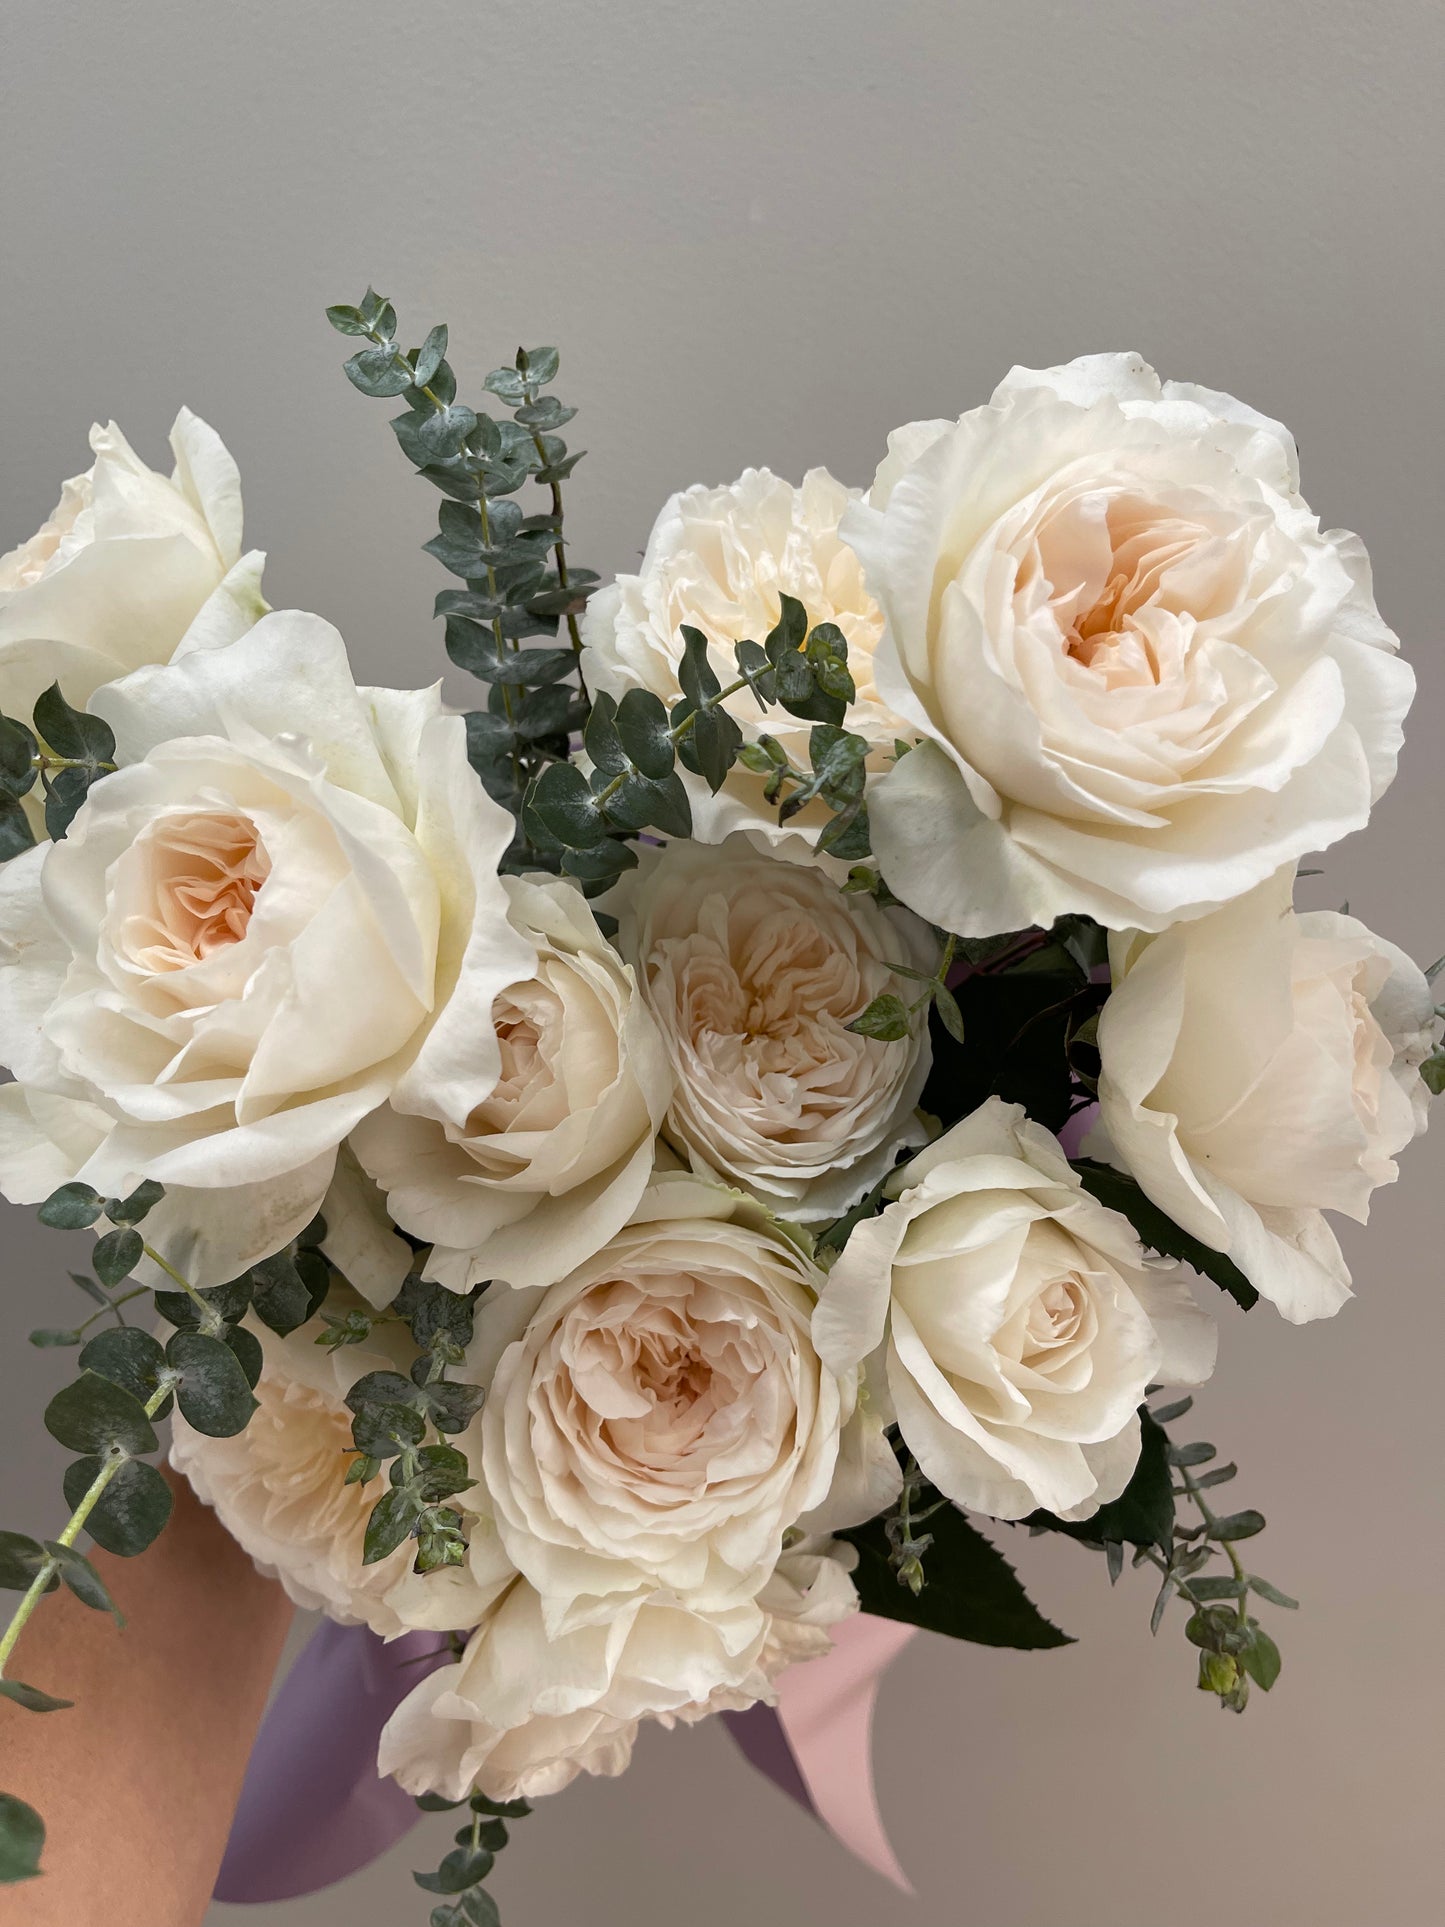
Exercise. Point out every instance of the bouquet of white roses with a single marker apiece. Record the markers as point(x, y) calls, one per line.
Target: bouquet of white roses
point(620, 1181)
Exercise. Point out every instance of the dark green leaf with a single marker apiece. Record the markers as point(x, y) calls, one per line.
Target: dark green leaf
point(22, 1836)
point(714, 742)
point(1261, 1659)
point(20, 1559)
point(71, 1208)
point(946, 1004)
point(213, 1393)
point(500, 1809)
point(228, 1302)
point(641, 804)
point(131, 1512)
point(1237, 1525)
point(1198, 1453)
point(279, 1294)
point(390, 1524)
point(116, 1256)
point(453, 1406)
point(83, 1580)
point(1159, 1231)
point(431, 354)
point(1272, 1593)
point(128, 1357)
point(72, 733)
point(18, 750)
point(34, 1701)
point(645, 734)
point(886, 1018)
point(92, 1415)
point(695, 675)
point(827, 656)
point(247, 1348)
point(971, 1593)
point(562, 802)
point(16, 835)
point(597, 870)
point(379, 372)
point(539, 365)
point(461, 1869)
point(346, 320)
point(64, 794)
point(142, 1201)
point(1143, 1513)
point(52, 1337)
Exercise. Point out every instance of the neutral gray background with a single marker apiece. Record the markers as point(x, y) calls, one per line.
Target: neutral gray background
point(767, 232)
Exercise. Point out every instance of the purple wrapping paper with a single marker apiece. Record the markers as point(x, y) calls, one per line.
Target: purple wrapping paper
point(313, 1808)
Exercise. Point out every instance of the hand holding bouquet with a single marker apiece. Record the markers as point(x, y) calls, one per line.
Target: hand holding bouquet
point(622, 1180)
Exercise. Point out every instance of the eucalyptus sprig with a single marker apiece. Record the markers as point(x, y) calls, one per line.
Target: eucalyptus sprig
point(519, 584)
point(587, 817)
point(1234, 1649)
point(460, 1876)
point(392, 1417)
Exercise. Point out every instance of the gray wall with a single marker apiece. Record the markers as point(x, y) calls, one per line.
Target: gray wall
point(767, 232)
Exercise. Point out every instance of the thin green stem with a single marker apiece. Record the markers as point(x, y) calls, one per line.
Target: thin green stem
point(114, 1305)
point(208, 1315)
point(72, 1530)
point(1211, 1522)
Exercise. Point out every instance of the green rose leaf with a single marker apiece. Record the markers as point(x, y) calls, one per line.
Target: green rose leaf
point(213, 1394)
point(93, 1415)
point(1160, 1232)
point(971, 1592)
point(1143, 1513)
point(22, 1836)
point(131, 1512)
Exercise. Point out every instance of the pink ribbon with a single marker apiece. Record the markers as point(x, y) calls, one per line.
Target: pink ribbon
point(825, 1713)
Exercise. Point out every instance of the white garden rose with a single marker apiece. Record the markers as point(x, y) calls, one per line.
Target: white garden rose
point(1145, 679)
point(278, 1489)
point(719, 559)
point(1017, 1321)
point(1260, 1067)
point(659, 1420)
point(522, 1714)
point(754, 967)
point(128, 563)
point(249, 937)
point(523, 1177)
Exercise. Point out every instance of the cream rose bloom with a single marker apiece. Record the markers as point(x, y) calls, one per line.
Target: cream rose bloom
point(523, 1177)
point(127, 565)
point(248, 939)
point(659, 1420)
point(522, 1714)
point(719, 559)
point(1017, 1321)
point(753, 968)
point(278, 1489)
point(1258, 1068)
point(1143, 676)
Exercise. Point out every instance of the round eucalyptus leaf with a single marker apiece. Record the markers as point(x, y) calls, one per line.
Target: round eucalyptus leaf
point(22, 1835)
point(116, 1255)
point(213, 1393)
point(130, 1358)
point(92, 1415)
point(72, 1208)
point(131, 1512)
point(247, 1348)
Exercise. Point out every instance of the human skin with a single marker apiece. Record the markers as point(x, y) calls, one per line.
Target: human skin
point(137, 1783)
